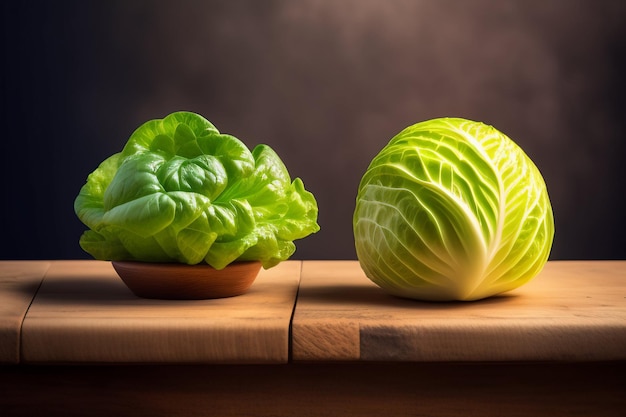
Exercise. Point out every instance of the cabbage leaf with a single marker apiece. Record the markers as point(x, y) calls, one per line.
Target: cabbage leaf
point(452, 209)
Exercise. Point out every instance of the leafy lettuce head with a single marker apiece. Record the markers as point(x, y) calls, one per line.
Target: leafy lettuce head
point(452, 209)
point(180, 191)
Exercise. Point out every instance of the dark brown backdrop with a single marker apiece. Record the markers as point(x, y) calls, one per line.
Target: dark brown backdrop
point(327, 84)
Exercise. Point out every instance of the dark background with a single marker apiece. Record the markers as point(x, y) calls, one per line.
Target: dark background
point(326, 84)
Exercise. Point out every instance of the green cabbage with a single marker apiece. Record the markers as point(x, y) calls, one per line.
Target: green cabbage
point(180, 191)
point(452, 209)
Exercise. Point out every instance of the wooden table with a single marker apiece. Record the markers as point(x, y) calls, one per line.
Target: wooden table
point(310, 338)
point(574, 311)
point(84, 313)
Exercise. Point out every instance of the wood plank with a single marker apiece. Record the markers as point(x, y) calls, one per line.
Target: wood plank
point(84, 313)
point(19, 281)
point(572, 311)
point(363, 389)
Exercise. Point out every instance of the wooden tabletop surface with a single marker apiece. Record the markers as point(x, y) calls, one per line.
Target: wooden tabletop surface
point(19, 281)
point(572, 311)
point(84, 313)
point(81, 312)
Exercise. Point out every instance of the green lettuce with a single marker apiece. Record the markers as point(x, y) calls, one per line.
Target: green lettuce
point(180, 191)
point(452, 209)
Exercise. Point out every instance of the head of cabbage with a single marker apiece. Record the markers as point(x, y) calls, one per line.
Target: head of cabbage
point(181, 191)
point(452, 209)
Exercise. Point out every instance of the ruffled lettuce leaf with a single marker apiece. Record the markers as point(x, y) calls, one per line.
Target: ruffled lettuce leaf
point(180, 191)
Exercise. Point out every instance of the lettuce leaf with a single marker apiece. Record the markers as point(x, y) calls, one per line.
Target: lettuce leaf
point(180, 191)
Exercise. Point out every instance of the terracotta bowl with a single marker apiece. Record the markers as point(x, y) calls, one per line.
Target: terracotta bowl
point(173, 281)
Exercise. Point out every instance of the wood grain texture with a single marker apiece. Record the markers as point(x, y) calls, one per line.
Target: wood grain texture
point(19, 281)
point(84, 313)
point(572, 311)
